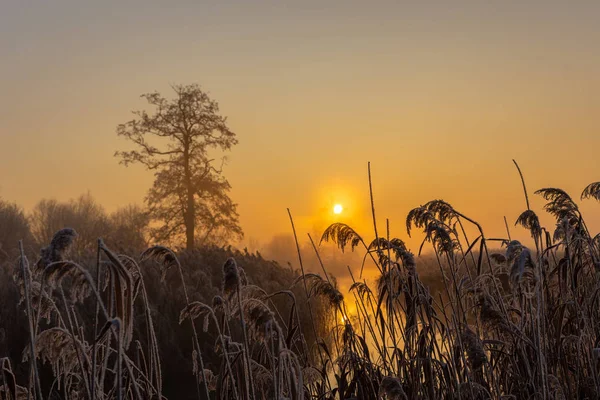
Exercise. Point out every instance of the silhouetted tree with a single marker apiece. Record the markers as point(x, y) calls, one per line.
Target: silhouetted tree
point(13, 227)
point(125, 229)
point(129, 226)
point(189, 195)
point(83, 214)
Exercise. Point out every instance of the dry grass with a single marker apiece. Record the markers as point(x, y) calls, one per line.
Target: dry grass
point(518, 324)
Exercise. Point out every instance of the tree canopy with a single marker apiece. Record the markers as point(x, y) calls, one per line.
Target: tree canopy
point(190, 195)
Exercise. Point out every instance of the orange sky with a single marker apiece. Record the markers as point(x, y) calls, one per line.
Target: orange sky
point(439, 96)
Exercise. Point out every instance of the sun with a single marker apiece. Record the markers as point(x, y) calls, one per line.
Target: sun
point(337, 209)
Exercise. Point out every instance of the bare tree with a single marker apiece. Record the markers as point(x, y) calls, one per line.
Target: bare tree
point(83, 214)
point(13, 227)
point(189, 195)
point(129, 226)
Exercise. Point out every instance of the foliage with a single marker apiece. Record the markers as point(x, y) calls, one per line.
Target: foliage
point(161, 293)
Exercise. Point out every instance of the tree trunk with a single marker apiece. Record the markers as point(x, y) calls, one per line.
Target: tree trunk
point(190, 214)
point(190, 220)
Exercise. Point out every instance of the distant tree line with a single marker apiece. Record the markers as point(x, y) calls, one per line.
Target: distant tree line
point(126, 229)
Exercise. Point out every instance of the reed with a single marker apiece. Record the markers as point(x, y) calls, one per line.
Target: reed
point(510, 322)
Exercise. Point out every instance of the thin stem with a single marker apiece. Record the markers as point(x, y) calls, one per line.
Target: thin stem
point(523, 182)
point(310, 312)
point(507, 230)
point(94, 346)
point(33, 365)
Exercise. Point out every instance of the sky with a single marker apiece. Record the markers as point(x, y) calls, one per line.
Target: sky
point(438, 96)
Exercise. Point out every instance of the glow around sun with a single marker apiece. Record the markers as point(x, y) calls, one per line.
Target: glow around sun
point(337, 209)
